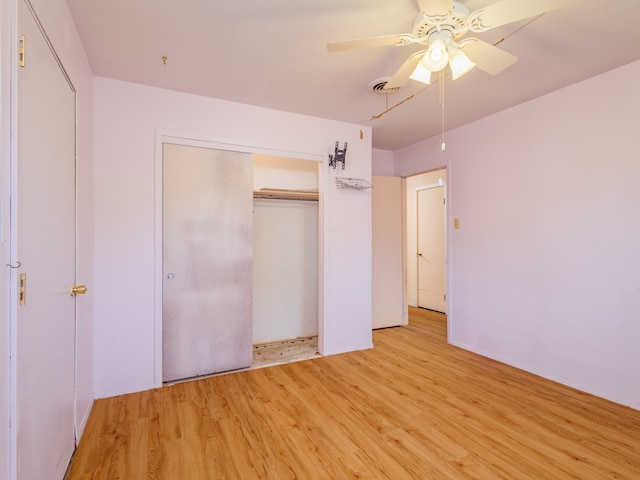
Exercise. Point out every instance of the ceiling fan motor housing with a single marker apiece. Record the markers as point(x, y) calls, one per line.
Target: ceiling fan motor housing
point(451, 26)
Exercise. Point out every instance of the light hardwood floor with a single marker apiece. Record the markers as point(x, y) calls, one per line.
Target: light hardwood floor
point(412, 407)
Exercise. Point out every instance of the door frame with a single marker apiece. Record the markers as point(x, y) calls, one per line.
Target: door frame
point(409, 185)
point(163, 136)
point(8, 282)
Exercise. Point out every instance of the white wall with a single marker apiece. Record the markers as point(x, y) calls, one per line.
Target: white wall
point(284, 173)
point(544, 271)
point(127, 119)
point(285, 269)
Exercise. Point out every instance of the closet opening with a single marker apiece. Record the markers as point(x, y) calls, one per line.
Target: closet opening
point(285, 260)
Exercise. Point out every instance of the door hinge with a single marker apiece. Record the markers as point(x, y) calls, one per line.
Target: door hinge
point(445, 297)
point(22, 51)
point(22, 292)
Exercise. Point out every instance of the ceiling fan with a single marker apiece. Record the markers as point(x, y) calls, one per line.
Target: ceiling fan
point(439, 27)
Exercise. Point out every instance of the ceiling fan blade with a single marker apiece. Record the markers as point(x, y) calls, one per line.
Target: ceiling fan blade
point(488, 58)
point(508, 11)
point(397, 39)
point(435, 8)
point(401, 77)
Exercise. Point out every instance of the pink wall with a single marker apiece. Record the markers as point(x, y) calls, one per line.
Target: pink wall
point(127, 119)
point(544, 272)
point(419, 158)
point(382, 162)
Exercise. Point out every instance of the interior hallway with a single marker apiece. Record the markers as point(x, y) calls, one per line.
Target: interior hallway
point(412, 407)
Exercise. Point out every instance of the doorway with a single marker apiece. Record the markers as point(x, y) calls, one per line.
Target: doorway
point(431, 187)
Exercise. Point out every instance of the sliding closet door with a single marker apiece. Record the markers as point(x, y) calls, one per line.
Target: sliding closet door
point(207, 219)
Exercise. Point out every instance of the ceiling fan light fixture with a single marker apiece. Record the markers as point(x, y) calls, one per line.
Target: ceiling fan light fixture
point(436, 57)
point(421, 74)
point(460, 64)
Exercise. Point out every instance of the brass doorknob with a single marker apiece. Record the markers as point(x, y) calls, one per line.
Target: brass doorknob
point(78, 290)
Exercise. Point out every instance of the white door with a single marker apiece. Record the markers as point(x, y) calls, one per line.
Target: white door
point(207, 223)
point(431, 249)
point(45, 247)
point(387, 281)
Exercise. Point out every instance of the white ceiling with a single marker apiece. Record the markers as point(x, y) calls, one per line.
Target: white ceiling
point(272, 53)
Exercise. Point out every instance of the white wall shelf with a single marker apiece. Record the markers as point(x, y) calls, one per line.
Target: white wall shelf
point(352, 183)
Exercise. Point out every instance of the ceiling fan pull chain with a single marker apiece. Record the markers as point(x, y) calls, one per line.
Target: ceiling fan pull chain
point(442, 144)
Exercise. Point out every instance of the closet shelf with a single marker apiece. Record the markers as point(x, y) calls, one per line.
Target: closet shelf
point(284, 194)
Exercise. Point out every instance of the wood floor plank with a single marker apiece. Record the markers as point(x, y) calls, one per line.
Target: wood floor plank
point(412, 407)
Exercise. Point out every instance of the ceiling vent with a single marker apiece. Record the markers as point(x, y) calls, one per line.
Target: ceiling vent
point(378, 86)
